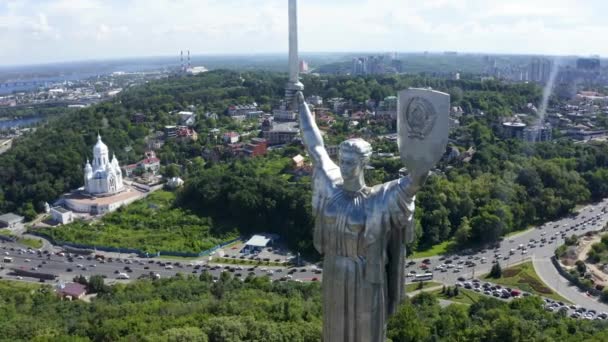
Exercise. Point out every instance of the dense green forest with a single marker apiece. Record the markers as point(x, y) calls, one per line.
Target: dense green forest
point(508, 185)
point(198, 309)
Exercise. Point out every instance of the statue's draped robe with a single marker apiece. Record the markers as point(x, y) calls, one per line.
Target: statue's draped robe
point(361, 236)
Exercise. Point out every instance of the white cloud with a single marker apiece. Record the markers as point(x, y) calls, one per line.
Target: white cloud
point(75, 29)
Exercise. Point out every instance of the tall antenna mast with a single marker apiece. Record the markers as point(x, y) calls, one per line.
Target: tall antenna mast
point(181, 59)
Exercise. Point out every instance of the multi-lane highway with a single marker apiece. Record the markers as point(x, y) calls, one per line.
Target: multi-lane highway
point(536, 244)
point(66, 267)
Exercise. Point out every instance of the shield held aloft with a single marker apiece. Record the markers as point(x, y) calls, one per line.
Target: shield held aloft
point(422, 123)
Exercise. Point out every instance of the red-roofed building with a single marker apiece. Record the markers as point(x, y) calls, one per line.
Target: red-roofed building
point(257, 147)
point(71, 291)
point(186, 133)
point(231, 137)
point(150, 164)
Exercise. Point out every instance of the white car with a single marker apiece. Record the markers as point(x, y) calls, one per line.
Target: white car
point(168, 267)
point(27, 260)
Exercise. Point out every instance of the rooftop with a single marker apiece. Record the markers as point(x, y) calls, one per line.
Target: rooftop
point(285, 127)
point(61, 210)
point(11, 218)
point(258, 241)
point(72, 289)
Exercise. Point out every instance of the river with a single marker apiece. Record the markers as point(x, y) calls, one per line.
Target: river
point(21, 122)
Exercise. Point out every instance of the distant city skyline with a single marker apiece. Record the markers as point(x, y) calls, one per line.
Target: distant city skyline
point(48, 31)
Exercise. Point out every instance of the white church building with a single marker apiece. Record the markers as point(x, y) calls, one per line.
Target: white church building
point(102, 177)
point(104, 190)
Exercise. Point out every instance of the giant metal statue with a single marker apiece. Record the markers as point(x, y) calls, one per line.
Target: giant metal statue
point(361, 230)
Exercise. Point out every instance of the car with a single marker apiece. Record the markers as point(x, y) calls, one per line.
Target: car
point(27, 260)
point(69, 270)
point(461, 279)
point(168, 267)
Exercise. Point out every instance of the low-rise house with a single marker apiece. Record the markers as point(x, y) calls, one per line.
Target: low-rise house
point(298, 161)
point(11, 221)
point(150, 164)
point(231, 137)
point(71, 291)
point(186, 118)
point(61, 215)
point(256, 147)
point(187, 134)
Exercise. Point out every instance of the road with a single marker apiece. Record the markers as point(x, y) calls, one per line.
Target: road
point(66, 270)
point(589, 218)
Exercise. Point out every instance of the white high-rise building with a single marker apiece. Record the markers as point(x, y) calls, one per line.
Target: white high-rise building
point(103, 176)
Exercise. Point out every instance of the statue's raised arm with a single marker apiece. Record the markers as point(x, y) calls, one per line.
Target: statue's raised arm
point(312, 137)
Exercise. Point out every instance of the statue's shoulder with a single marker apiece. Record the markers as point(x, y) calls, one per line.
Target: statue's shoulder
point(329, 177)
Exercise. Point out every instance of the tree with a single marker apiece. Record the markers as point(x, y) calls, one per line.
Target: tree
point(171, 170)
point(463, 233)
point(185, 334)
point(80, 279)
point(486, 227)
point(97, 285)
point(406, 326)
point(496, 271)
point(581, 268)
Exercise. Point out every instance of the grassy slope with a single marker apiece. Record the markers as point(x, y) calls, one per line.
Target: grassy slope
point(524, 277)
point(414, 286)
point(435, 250)
point(151, 224)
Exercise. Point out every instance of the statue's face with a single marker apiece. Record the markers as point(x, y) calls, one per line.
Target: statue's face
point(351, 164)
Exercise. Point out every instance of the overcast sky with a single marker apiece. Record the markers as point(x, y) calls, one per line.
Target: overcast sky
point(42, 31)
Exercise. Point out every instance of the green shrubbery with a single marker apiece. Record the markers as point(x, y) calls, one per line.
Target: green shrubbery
point(152, 224)
point(198, 309)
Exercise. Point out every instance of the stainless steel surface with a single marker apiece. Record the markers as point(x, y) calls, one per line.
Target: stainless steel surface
point(360, 231)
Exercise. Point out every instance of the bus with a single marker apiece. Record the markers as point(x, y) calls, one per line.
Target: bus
point(8, 259)
point(423, 277)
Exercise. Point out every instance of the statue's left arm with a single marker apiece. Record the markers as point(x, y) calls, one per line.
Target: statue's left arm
point(401, 205)
point(401, 198)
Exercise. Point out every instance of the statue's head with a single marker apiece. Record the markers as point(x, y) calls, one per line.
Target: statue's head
point(354, 157)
